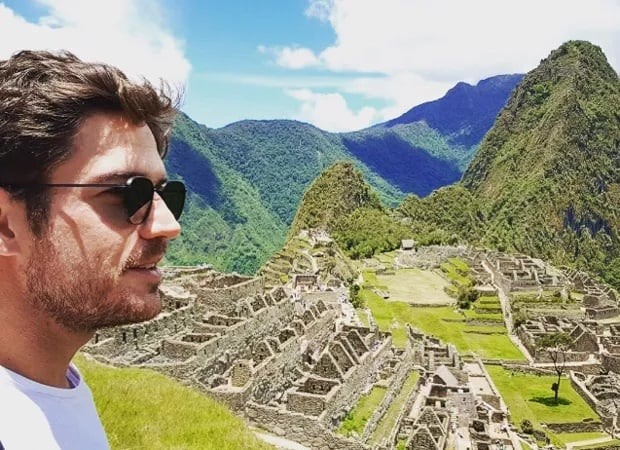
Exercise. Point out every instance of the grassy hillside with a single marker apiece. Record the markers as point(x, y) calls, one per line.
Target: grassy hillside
point(141, 409)
point(546, 179)
point(226, 222)
point(246, 180)
point(548, 173)
point(413, 157)
point(280, 158)
point(340, 202)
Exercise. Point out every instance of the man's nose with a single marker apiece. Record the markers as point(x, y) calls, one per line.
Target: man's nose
point(160, 222)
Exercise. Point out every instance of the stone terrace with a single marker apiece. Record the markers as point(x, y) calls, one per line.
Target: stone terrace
point(288, 363)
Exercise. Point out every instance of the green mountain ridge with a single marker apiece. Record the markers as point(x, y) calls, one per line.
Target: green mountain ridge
point(341, 203)
point(546, 178)
point(225, 221)
point(549, 170)
point(246, 179)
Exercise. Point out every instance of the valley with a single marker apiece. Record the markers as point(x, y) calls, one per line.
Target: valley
point(339, 313)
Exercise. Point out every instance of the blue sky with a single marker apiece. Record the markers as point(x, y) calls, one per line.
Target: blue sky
point(338, 64)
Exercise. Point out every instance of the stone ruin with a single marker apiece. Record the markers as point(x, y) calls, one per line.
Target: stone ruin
point(602, 393)
point(292, 362)
point(427, 257)
point(585, 341)
point(600, 301)
point(290, 366)
point(453, 400)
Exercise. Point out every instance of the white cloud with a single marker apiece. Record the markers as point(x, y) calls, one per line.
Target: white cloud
point(291, 57)
point(320, 9)
point(421, 48)
point(330, 111)
point(296, 58)
point(461, 40)
point(130, 34)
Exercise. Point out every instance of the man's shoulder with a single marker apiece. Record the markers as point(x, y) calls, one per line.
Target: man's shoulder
point(36, 416)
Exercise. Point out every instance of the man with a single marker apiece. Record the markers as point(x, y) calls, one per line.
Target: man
point(86, 213)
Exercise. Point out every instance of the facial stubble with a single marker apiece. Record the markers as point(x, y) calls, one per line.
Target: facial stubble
point(84, 296)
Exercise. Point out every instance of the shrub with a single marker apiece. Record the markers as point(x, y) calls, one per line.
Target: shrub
point(466, 296)
point(527, 427)
point(354, 296)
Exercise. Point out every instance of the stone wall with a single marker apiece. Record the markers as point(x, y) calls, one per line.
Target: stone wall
point(119, 340)
point(274, 375)
point(585, 426)
point(224, 300)
point(611, 362)
point(396, 384)
point(299, 428)
point(353, 385)
point(404, 412)
point(602, 313)
point(213, 356)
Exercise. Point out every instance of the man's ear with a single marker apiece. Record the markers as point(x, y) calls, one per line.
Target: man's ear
point(9, 245)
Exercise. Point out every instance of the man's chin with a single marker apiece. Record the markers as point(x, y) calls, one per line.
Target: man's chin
point(131, 311)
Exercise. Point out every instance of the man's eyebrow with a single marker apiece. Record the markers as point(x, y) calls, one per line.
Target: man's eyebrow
point(121, 178)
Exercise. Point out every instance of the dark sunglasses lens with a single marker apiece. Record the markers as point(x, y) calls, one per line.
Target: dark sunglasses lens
point(138, 198)
point(173, 194)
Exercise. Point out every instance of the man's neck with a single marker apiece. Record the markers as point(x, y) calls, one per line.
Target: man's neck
point(39, 348)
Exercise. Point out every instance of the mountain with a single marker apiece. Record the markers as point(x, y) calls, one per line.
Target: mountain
point(546, 178)
point(341, 203)
point(430, 145)
point(337, 192)
point(246, 179)
point(225, 222)
point(466, 112)
point(281, 157)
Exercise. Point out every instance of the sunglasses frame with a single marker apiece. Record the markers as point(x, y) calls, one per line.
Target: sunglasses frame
point(160, 189)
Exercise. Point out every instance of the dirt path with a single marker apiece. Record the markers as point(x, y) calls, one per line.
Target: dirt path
point(279, 442)
point(572, 445)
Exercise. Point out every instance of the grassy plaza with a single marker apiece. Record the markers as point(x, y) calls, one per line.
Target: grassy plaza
point(356, 419)
point(487, 341)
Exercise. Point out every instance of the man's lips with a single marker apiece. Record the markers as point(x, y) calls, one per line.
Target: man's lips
point(145, 264)
point(147, 269)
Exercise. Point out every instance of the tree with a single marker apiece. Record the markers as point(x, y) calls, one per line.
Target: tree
point(556, 345)
point(354, 296)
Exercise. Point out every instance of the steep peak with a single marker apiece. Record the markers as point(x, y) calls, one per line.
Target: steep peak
point(563, 109)
point(338, 191)
point(452, 114)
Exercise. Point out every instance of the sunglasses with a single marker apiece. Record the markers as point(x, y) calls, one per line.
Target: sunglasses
point(138, 193)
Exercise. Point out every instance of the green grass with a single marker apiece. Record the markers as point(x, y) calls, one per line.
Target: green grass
point(472, 314)
point(565, 438)
point(392, 316)
point(595, 446)
point(454, 275)
point(356, 420)
point(143, 409)
point(530, 397)
point(385, 258)
point(388, 421)
point(416, 286)
point(488, 301)
point(459, 265)
point(370, 279)
point(363, 316)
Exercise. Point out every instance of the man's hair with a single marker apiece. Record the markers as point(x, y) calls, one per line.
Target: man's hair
point(45, 98)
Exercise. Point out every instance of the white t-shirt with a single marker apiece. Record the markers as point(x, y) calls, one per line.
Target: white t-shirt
point(34, 416)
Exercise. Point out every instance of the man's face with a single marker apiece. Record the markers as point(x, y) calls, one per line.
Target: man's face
point(90, 268)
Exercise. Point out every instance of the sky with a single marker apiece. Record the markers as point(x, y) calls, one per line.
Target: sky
point(341, 65)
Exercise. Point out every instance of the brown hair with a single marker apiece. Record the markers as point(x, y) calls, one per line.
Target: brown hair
point(44, 99)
